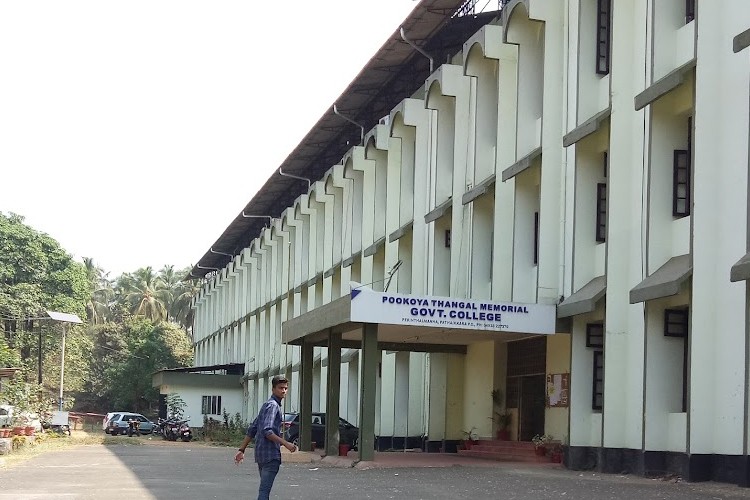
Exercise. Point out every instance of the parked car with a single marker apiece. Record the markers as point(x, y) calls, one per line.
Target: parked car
point(348, 433)
point(107, 418)
point(9, 417)
point(118, 423)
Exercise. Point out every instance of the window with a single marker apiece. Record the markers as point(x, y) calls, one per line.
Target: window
point(211, 405)
point(689, 10)
point(595, 340)
point(536, 238)
point(595, 335)
point(597, 399)
point(601, 212)
point(676, 323)
point(681, 176)
point(681, 183)
point(603, 36)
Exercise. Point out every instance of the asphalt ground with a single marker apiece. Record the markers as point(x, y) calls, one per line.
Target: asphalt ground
point(194, 471)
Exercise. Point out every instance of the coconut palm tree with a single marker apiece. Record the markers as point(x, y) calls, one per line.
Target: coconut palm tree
point(98, 307)
point(143, 294)
point(181, 308)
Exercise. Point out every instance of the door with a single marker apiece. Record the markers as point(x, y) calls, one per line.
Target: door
point(527, 384)
point(531, 406)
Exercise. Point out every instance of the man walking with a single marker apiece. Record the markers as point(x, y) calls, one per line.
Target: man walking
point(267, 430)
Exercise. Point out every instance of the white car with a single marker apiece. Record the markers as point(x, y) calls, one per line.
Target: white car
point(105, 422)
point(7, 414)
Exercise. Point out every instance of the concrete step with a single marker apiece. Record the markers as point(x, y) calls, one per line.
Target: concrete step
point(516, 445)
point(504, 449)
point(502, 456)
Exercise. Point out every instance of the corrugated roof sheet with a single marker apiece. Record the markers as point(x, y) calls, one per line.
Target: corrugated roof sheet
point(395, 72)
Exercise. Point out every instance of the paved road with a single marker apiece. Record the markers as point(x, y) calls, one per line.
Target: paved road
point(188, 471)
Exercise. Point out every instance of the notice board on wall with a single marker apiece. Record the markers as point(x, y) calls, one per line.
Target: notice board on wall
point(558, 390)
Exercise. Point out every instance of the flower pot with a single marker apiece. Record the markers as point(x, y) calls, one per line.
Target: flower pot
point(556, 458)
point(503, 435)
point(343, 450)
point(540, 451)
point(468, 444)
point(18, 431)
point(28, 430)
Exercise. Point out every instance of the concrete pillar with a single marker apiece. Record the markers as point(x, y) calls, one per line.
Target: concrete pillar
point(369, 386)
point(305, 407)
point(333, 396)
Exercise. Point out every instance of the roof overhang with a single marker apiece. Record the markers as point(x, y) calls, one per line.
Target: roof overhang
point(586, 128)
point(584, 300)
point(314, 327)
point(522, 164)
point(664, 85)
point(741, 41)
point(8, 372)
point(741, 269)
point(229, 368)
point(665, 282)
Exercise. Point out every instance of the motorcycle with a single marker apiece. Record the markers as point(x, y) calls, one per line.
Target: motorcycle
point(172, 429)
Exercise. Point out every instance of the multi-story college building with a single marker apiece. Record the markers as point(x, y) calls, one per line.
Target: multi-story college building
point(549, 201)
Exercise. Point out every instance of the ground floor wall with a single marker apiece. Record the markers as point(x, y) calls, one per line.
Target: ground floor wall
point(433, 401)
point(224, 393)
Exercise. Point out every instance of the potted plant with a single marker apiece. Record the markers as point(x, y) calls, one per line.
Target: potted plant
point(470, 438)
point(556, 454)
point(503, 420)
point(540, 443)
point(501, 416)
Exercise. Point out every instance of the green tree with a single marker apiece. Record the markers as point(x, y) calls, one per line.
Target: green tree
point(148, 347)
point(143, 294)
point(175, 405)
point(181, 305)
point(99, 305)
point(36, 275)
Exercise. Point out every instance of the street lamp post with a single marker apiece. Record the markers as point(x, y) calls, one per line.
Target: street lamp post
point(63, 318)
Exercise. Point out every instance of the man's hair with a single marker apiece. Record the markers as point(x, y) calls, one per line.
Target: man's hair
point(278, 379)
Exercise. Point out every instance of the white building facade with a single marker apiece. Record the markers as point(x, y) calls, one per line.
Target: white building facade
point(590, 155)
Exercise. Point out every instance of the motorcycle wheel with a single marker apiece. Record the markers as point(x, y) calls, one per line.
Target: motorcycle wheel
point(186, 439)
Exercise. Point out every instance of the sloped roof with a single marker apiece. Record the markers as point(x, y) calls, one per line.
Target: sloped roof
point(395, 72)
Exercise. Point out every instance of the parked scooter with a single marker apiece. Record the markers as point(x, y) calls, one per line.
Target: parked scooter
point(172, 429)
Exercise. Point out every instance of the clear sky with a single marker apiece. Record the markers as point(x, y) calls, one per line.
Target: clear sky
point(133, 132)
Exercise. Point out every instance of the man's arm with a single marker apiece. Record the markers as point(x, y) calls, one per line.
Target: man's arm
point(240, 455)
point(268, 429)
point(251, 432)
point(272, 436)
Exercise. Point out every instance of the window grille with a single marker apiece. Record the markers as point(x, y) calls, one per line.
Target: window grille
point(211, 405)
point(689, 10)
point(603, 36)
point(536, 238)
point(601, 212)
point(676, 322)
point(681, 183)
point(595, 335)
point(597, 397)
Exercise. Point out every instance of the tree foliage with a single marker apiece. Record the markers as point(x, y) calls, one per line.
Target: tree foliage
point(135, 324)
point(126, 355)
point(36, 274)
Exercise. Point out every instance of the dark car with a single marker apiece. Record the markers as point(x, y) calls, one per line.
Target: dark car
point(348, 433)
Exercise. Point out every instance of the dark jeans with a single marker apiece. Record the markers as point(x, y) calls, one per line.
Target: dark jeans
point(267, 471)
